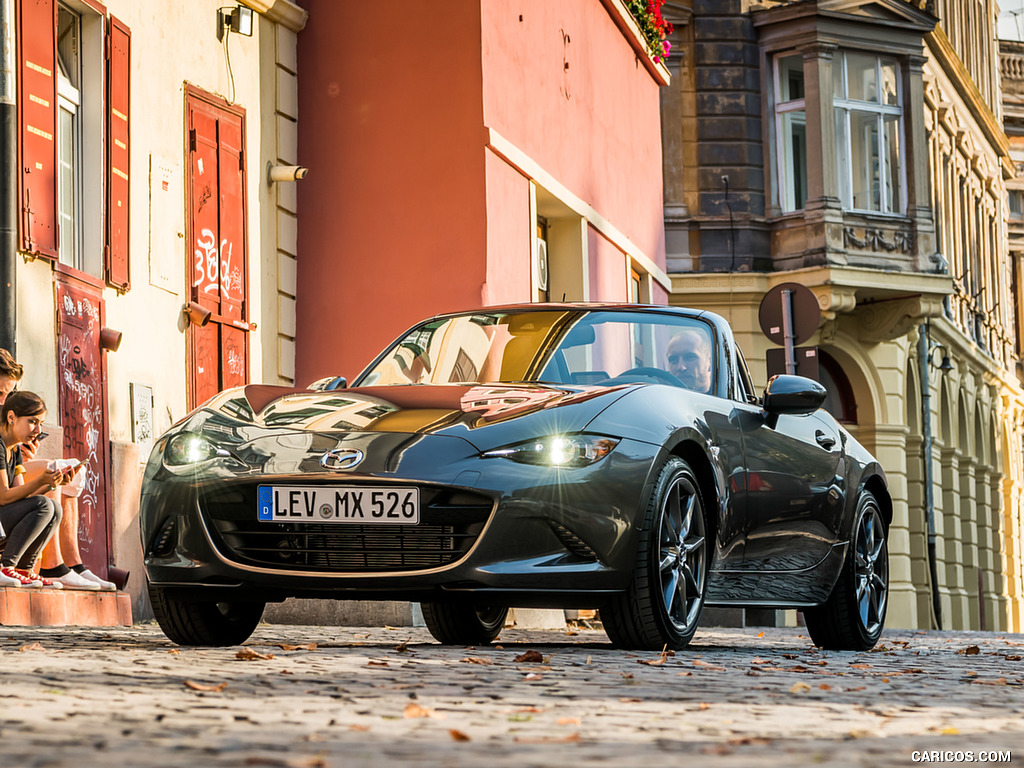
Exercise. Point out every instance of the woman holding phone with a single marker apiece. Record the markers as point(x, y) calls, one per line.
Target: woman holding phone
point(27, 517)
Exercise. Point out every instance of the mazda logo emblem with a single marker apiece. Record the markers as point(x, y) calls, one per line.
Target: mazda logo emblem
point(341, 458)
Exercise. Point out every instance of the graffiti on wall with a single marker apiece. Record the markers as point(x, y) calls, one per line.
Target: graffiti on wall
point(81, 410)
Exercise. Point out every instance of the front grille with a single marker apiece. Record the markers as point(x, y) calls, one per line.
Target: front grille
point(450, 522)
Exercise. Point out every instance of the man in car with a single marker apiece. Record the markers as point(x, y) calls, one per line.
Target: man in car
point(689, 360)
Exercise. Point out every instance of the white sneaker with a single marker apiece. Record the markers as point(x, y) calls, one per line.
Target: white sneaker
point(103, 583)
point(73, 580)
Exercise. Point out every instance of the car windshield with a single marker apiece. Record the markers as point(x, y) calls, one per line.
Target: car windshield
point(551, 346)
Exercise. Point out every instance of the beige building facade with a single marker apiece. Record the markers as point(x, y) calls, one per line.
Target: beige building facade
point(858, 149)
point(146, 136)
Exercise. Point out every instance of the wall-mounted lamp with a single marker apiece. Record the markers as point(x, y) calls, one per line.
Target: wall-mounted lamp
point(945, 366)
point(238, 19)
point(110, 339)
point(285, 173)
point(196, 313)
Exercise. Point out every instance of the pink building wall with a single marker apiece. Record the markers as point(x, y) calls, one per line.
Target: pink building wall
point(406, 212)
point(596, 125)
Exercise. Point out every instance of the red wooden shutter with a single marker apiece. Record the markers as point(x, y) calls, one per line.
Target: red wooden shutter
point(234, 365)
point(37, 135)
point(119, 40)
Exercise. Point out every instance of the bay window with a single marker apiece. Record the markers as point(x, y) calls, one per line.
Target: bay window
point(869, 129)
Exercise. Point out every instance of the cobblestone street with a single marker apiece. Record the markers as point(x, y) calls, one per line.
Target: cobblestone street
point(302, 697)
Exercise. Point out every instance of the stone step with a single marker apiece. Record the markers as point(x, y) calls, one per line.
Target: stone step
point(58, 607)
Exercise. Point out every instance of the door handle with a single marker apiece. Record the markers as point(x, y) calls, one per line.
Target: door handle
point(825, 441)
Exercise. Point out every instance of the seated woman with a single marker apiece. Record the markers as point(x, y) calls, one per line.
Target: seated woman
point(27, 518)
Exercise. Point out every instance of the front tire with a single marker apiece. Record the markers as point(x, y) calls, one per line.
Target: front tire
point(663, 603)
point(187, 622)
point(463, 623)
point(854, 614)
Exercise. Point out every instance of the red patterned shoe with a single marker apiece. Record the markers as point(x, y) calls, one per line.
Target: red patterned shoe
point(45, 582)
point(23, 581)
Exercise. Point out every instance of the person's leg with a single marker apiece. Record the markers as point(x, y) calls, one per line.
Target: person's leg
point(52, 557)
point(69, 531)
point(27, 522)
point(69, 537)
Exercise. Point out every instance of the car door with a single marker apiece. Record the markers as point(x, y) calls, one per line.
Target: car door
point(793, 489)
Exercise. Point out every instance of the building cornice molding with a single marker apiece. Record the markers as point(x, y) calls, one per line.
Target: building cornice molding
point(283, 12)
point(947, 58)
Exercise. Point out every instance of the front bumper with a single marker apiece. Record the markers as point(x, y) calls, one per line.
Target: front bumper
point(524, 535)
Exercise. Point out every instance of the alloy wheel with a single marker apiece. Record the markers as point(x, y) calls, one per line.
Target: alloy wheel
point(871, 569)
point(682, 552)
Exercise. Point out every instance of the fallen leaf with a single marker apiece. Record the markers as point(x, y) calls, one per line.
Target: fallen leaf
point(652, 662)
point(629, 701)
point(534, 676)
point(175, 651)
point(208, 687)
point(364, 635)
point(997, 681)
point(572, 737)
point(824, 687)
point(703, 705)
point(32, 647)
point(588, 659)
point(403, 647)
point(358, 727)
point(568, 721)
point(458, 735)
point(800, 688)
point(760, 741)
point(760, 634)
point(530, 657)
point(412, 709)
point(248, 654)
point(972, 650)
point(372, 663)
point(530, 709)
point(306, 647)
point(313, 761)
point(950, 731)
point(570, 633)
point(860, 666)
point(685, 674)
point(476, 660)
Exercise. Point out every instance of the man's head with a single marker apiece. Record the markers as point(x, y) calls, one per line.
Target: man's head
point(689, 360)
point(10, 374)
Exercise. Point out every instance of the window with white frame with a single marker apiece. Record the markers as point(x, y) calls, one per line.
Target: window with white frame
point(791, 131)
point(69, 135)
point(869, 132)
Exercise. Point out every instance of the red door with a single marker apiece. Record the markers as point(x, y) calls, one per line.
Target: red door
point(82, 392)
point(218, 276)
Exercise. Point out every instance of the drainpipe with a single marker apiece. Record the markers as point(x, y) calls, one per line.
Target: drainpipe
point(8, 179)
point(929, 493)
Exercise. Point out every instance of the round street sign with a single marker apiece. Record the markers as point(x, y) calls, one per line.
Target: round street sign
point(806, 312)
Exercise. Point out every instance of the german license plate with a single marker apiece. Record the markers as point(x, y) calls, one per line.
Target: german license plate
point(334, 504)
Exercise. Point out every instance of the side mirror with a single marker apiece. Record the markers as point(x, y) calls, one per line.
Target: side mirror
point(328, 383)
point(793, 395)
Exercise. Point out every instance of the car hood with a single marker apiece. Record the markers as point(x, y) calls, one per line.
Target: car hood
point(485, 415)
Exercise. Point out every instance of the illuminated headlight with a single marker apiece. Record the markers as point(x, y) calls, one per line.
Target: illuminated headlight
point(189, 448)
point(558, 450)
